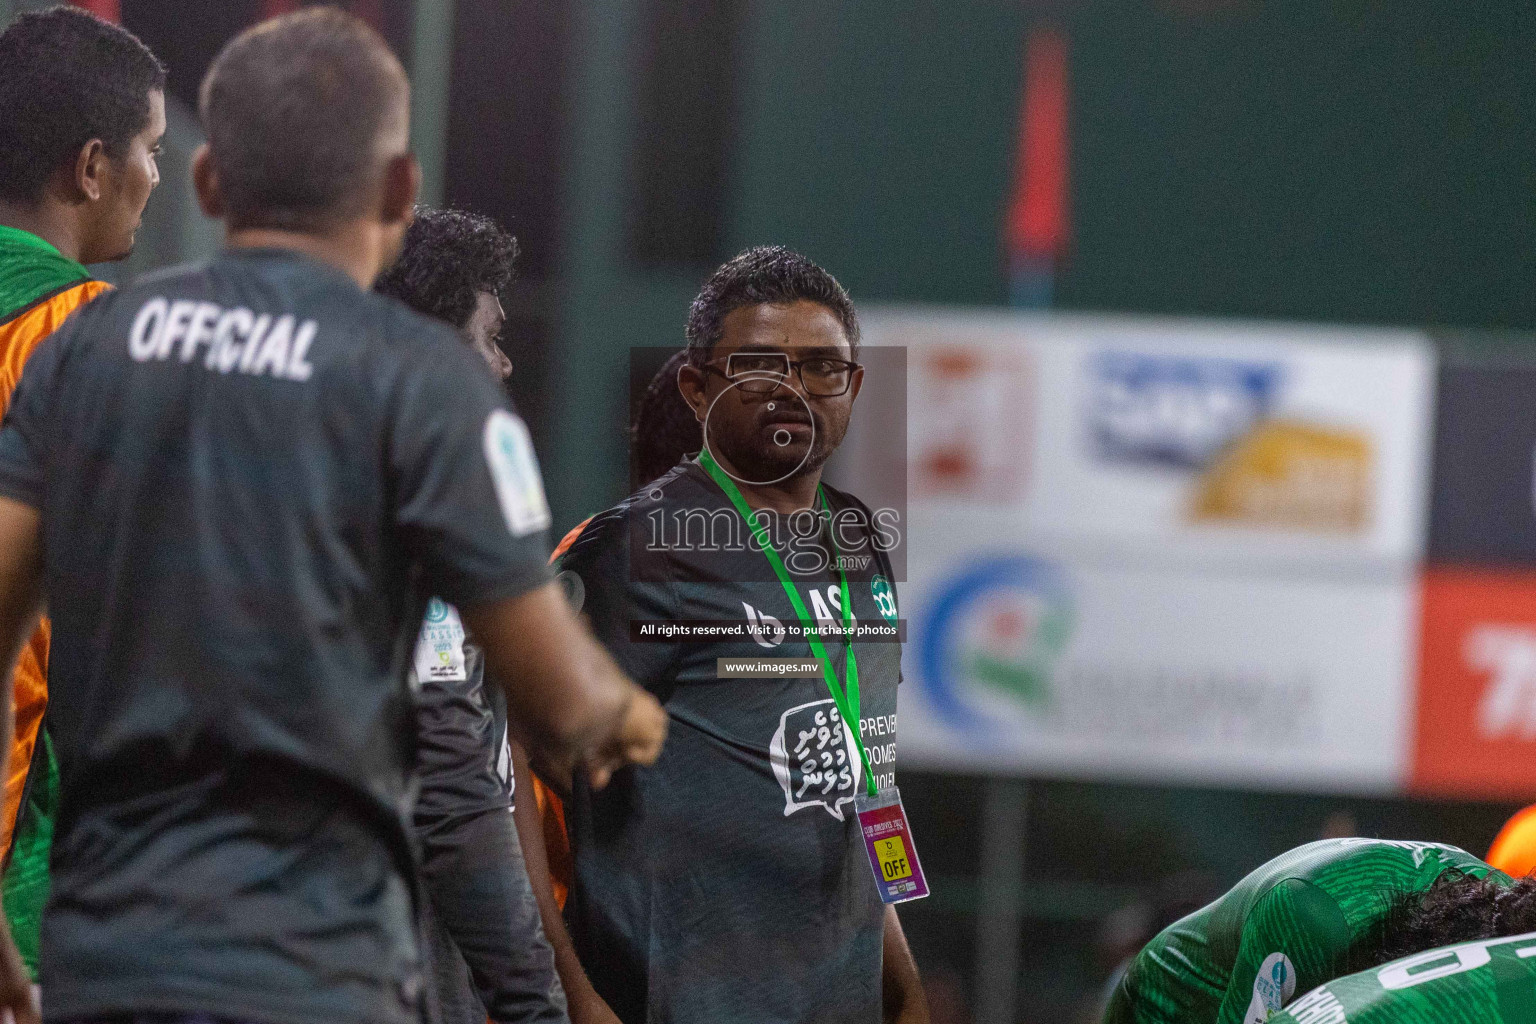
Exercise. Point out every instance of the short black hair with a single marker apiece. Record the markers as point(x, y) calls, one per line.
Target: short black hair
point(448, 257)
point(664, 430)
point(1458, 907)
point(766, 274)
point(294, 109)
point(67, 77)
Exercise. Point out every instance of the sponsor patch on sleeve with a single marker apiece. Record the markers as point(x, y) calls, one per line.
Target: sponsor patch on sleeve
point(440, 647)
point(515, 473)
point(1273, 987)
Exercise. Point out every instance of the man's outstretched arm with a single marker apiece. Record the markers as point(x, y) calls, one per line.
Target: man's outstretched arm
point(21, 592)
point(567, 700)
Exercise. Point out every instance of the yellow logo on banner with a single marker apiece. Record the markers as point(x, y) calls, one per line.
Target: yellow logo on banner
point(1290, 474)
point(893, 858)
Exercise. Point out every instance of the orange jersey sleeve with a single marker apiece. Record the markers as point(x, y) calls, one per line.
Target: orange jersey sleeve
point(568, 540)
point(19, 336)
point(557, 844)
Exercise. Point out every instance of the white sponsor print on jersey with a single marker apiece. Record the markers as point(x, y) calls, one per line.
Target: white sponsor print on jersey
point(1318, 1007)
point(765, 629)
point(504, 766)
point(515, 472)
point(769, 632)
point(1273, 987)
point(1508, 653)
point(1445, 961)
point(574, 589)
point(233, 340)
point(816, 759)
point(440, 648)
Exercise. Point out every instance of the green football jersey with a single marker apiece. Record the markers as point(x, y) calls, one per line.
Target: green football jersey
point(24, 886)
point(1489, 982)
point(1285, 929)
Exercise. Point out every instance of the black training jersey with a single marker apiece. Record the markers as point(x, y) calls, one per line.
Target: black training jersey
point(252, 474)
point(484, 941)
point(728, 882)
point(464, 762)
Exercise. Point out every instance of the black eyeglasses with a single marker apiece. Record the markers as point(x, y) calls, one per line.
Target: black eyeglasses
point(759, 373)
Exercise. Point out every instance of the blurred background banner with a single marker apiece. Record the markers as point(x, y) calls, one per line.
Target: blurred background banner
point(1475, 731)
point(1195, 442)
point(1019, 662)
point(1161, 550)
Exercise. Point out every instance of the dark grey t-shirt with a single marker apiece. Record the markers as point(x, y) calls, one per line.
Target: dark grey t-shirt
point(252, 474)
point(465, 763)
point(483, 940)
point(728, 883)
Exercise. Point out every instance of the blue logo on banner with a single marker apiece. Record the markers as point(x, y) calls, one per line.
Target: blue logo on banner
point(998, 626)
point(1176, 411)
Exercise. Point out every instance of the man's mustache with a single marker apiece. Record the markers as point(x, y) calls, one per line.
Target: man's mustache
point(790, 414)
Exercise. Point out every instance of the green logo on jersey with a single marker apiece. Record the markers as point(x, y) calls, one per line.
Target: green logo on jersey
point(885, 597)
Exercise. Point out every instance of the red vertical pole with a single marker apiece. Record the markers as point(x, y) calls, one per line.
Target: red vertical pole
point(106, 10)
point(1038, 225)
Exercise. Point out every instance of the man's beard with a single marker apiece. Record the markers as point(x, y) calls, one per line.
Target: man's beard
point(763, 462)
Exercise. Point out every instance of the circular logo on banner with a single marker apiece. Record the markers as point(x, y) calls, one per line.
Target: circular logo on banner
point(437, 610)
point(994, 630)
point(885, 597)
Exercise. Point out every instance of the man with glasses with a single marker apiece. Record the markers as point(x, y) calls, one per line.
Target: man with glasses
point(729, 881)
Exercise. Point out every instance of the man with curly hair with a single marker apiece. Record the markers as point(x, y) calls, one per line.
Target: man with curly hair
point(455, 267)
point(487, 949)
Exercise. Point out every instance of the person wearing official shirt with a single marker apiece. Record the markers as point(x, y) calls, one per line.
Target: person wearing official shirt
point(236, 484)
point(729, 881)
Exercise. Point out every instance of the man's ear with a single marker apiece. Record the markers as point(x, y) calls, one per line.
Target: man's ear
point(858, 382)
point(690, 384)
point(88, 176)
point(401, 184)
point(205, 182)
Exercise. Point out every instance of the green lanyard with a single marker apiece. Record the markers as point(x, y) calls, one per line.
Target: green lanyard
point(847, 701)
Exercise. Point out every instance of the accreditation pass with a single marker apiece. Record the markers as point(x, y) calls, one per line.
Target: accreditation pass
point(888, 840)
